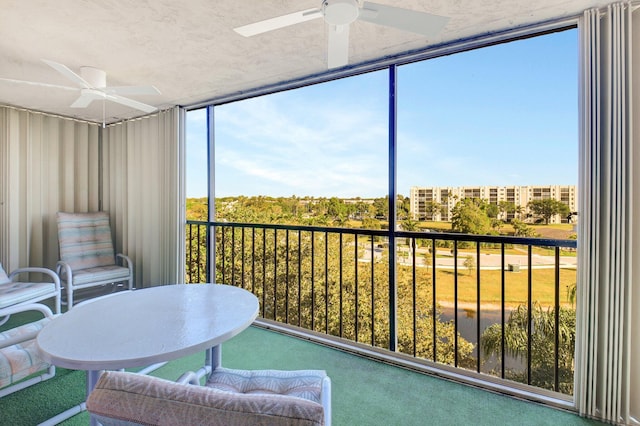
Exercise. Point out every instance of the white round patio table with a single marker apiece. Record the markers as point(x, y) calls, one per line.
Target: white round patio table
point(144, 327)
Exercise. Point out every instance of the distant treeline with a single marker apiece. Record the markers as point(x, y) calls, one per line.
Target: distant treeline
point(299, 210)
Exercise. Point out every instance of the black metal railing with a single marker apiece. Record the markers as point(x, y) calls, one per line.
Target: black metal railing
point(489, 304)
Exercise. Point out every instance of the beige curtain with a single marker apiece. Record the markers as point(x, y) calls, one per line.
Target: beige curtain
point(142, 192)
point(47, 164)
point(131, 169)
point(634, 339)
point(603, 363)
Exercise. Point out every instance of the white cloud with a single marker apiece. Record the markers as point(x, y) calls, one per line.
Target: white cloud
point(334, 151)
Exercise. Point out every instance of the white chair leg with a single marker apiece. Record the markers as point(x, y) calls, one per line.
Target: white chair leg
point(326, 400)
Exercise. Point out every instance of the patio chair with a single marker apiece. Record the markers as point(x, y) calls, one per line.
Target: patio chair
point(87, 257)
point(15, 293)
point(20, 357)
point(230, 398)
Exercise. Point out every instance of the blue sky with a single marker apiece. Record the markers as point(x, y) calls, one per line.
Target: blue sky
point(502, 115)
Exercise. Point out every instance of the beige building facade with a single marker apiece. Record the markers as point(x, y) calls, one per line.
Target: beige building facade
point(436, 203)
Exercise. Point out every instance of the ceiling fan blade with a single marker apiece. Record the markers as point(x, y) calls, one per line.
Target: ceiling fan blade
point(403, 19)
point(35, 83)
point(131, 103)
point(338, 52)
point(85, 100)
point(132, 90)
point(64, 70)
point(278, 22)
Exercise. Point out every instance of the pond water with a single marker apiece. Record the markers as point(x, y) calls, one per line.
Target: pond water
point(467, 323)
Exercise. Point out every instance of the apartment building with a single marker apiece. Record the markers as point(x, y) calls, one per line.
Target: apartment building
point(436, 203)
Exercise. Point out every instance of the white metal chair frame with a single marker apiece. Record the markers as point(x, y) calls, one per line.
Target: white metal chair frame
point(47, 373)
point(55, 294)
point(64, 270)
point(87, 257)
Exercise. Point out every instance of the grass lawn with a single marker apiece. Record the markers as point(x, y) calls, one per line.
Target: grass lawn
point(516, 286)
point(514, 249)
point(554, 230)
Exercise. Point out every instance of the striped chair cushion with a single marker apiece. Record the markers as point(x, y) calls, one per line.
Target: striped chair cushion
point(12, 293)
point(128, 399)
point(111, 273)
point(85, 239)
point(21, 360)
point(305, 384)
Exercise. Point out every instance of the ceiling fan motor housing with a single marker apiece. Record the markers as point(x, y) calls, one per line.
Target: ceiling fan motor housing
point(340, 12)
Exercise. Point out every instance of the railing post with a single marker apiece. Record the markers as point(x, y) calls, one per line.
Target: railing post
point(211, 196)
point(393, 326)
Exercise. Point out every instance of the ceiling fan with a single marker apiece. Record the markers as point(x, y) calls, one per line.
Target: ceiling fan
point(338, 14)
point(92, 84)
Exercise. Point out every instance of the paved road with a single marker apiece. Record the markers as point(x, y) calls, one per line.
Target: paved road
point(445, 260)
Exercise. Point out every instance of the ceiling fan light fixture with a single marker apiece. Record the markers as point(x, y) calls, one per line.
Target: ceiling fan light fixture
point(340, 12)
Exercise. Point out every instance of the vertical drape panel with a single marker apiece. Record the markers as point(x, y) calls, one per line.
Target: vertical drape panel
point(142, 194)
point(47, 164)
point(634, 330)
point(606, 152)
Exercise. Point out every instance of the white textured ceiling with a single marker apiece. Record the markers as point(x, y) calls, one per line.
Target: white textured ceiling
point(189, 51)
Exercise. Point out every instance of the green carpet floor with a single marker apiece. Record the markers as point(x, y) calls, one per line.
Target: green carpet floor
point(364, 392)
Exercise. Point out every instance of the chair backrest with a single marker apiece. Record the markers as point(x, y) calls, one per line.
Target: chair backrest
point(85, 239)
point(3, 276)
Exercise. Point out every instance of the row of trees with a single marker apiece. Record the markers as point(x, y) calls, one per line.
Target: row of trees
point(477, 216)
point(308, 210)
point(470, 215)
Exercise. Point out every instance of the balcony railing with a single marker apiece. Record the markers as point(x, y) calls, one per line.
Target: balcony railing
point(493, 306)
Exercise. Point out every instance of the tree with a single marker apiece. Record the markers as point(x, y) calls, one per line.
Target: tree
point(543, 336)
point(520, 229)
point(470, 264)
point(297, 284)
point(197, 209)
point(547, 208)
point(431, 208)
point(403, 207)
point(337, 209)
point(492, 210)
point(363, 211)
point(370, 223)
point(381, 206)
point(506, 208)
point(469, 217)
point(410, 225)
point(572, 292)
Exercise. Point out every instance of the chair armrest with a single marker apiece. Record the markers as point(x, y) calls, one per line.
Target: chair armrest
point(126, 260)
point(48, 313)
point(29, 307)
point(189, 378)
point(68, 273)
point(51, 274)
